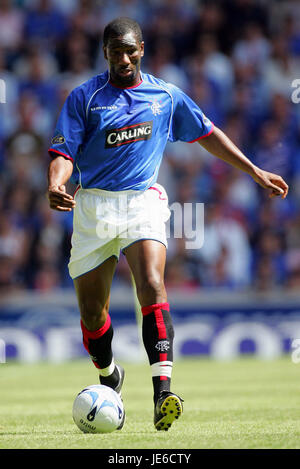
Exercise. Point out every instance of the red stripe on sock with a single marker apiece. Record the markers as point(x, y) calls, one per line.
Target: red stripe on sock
point(161, 327)
point(159, 319)
point(95, 334)
point(149, 309)
point(96, 365)
point(160, 323)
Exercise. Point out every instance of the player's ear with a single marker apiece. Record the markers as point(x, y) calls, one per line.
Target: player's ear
point(142, 48)
point(104, 52)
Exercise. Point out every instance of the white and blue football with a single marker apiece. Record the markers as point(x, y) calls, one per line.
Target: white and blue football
point(98, 409)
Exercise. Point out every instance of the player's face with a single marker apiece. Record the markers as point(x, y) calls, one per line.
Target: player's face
point(124, 55)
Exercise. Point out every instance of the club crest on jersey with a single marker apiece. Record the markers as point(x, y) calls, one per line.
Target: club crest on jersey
point(128, 134)
point(155, 107)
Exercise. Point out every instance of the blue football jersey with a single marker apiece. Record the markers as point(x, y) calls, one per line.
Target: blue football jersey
point(116, 136)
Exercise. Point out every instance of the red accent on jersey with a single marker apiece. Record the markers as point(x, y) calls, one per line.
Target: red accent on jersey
point(51, 150)
point(77, 189)
point(203, 136)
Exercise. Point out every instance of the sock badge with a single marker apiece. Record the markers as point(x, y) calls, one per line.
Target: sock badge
point(162, 345)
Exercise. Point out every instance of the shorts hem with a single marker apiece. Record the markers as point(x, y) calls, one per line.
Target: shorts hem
point(144, 239)
point(93, 268)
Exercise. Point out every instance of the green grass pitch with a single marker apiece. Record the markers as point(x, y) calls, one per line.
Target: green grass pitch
point(245, 403)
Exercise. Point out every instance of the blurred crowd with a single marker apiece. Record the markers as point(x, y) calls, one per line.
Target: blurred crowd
point(238, 59)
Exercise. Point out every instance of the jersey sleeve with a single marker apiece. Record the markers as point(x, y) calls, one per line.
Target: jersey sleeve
point(70, 129)
point(189, 123)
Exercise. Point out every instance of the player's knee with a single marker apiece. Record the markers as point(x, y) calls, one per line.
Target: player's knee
point(93, 315)
point(151, 290)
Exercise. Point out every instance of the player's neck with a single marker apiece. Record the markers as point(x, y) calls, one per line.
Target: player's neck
point(136, 82)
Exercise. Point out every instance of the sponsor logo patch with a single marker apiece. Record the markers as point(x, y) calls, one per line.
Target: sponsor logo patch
point(129, 134)
point(111, 107)
point(58, 139)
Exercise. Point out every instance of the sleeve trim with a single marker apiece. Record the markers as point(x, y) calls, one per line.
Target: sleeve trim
point(60, 153)
point(203, 136)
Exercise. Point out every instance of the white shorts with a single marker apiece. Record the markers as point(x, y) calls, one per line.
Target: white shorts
point(104, 223)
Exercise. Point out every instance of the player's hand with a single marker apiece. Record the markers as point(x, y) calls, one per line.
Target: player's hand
point(59, 199)
point(271, 181)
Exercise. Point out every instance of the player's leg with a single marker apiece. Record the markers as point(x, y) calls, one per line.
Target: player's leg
point(147, 259)
point(93, 294)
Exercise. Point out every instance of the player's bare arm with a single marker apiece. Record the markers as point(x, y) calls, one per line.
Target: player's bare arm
point(221, 146)
point(59, 172)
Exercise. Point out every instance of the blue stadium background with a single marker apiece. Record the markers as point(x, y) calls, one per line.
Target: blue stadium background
point(238, 59)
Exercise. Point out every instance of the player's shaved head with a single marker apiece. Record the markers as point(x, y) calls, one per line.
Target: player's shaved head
point(121, 26)
point(123, 48)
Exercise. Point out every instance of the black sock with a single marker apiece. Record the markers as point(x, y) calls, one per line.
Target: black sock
point(158, 334)
point(98, 344)
point(160, 385)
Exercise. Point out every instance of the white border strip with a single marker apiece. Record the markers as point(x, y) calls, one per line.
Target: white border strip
point(95, 92)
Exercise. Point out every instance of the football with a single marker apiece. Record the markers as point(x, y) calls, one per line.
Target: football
point(98, 409)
